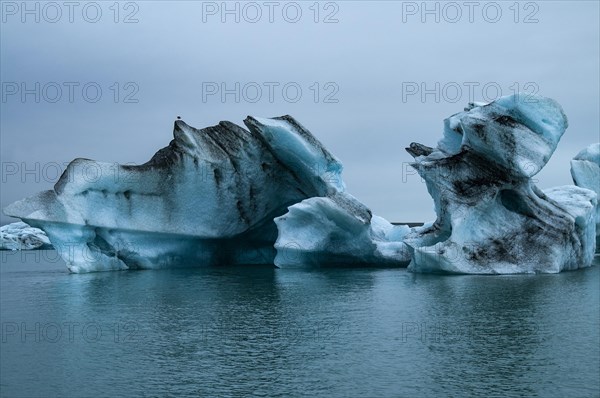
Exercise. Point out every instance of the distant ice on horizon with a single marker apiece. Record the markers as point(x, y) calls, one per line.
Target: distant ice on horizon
point(20, 236)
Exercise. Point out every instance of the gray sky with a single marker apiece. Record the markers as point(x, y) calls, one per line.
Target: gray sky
point(366, 63)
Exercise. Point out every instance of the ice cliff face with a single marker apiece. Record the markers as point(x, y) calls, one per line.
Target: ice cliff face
point(585, 169)
point(20, 236)
point(210, 197)
point(491, 218)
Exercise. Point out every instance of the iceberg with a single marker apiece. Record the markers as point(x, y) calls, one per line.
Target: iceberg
point(585, 170)
point(271, 193)
point(208, 198)
point(491, 217)
point(338, 230)
point(20, 236)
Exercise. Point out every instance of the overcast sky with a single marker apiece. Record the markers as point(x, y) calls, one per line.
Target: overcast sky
point(361, 67)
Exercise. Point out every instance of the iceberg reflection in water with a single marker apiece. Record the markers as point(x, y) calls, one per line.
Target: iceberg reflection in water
point(239, 331)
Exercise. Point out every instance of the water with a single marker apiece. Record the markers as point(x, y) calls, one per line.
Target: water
point(259, 331)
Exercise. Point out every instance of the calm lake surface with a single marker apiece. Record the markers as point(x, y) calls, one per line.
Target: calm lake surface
point(259, 331)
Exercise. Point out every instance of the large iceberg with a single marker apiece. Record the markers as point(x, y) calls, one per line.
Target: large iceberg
point(585, 170)
point(20, 236)
point(491, 218)
point(210, 197)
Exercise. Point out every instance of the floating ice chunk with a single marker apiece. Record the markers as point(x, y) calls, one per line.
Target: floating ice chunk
point(338, 230)
point(585, 170)
point(210, 197)
point(491, 218)
point(20, 236)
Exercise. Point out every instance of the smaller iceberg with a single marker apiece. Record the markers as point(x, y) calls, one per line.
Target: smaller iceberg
point(338, 230)
point(20, 236)
point(585, 169)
